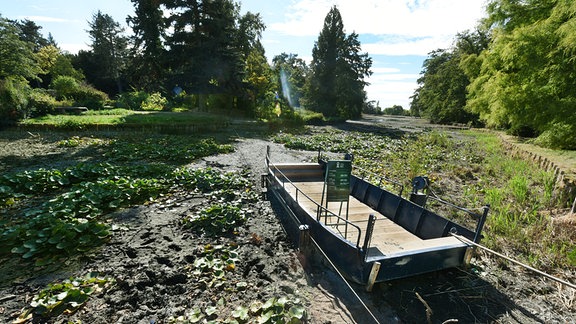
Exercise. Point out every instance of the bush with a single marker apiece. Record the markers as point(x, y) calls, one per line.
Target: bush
point(90, 97)
point(131, 100)
point(14, 94)
point(83, 94)
point(311, 117)
point(561, 135)
point(395, 110)
point(219, 101)
point(522, 131)
point(41, 103)
point(185, 101)
point(66, 87)
point(155, 102)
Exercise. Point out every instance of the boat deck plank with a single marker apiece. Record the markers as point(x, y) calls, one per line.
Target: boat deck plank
point(388, 236)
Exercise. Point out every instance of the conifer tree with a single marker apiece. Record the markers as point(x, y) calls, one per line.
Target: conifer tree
point(336, 83)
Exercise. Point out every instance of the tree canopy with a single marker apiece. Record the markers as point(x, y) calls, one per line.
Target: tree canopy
point(441, 93)
point(292, 72)
point(336, 83)
point(109, 52)
point(16, 55)
point(519, 73)
point(527, 75)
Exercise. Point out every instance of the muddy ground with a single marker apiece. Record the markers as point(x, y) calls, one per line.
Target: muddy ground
point(150, 259)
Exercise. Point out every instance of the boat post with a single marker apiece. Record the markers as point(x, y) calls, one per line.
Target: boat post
point(304, 240)
point(373, 276)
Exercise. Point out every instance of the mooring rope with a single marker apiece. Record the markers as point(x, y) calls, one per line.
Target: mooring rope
point(549, 276)
point(345, 281)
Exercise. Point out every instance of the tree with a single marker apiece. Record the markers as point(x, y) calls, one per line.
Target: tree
point(442, 87)
point(64, 66)
point(336, 83)
point(508, 15)
point(54, 63)
point(291, 72)
point(30, 33)
point(16, 56)
point(209, 44)
point(204, 48)
point(395, 110)
point(148, 52)
point(351, 69)
point(109, 49)
point(526, 80)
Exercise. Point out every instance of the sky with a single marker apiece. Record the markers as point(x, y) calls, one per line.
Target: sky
point(396, 34)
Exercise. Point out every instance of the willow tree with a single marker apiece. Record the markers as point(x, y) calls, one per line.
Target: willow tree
point(526, 81)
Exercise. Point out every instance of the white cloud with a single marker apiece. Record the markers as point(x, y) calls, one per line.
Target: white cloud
point(418, 46)
point(391, 88)
point(73, 47)
point(420, 26)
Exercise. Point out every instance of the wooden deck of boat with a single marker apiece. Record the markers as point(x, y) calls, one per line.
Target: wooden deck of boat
point(388, 236)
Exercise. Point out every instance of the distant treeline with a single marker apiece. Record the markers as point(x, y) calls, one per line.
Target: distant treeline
point(181, 54)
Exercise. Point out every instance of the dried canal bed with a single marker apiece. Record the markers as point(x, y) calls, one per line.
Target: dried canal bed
point(150, 257)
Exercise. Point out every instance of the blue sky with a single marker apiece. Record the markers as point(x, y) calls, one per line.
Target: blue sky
point(397, 34)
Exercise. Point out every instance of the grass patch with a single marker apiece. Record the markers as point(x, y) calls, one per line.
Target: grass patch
point(126, 117)
point(68, 121)
point(172, 118)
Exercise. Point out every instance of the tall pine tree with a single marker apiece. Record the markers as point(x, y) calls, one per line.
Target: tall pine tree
point(336, 83)
point(109, 52)
point(148, 44)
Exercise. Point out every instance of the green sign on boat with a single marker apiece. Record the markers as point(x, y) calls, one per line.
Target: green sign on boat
point(338, 180)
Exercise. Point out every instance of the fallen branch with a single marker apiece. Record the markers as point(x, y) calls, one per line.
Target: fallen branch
point(429, 311)
point(7, 297)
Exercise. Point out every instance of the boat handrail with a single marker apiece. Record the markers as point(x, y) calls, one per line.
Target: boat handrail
point(392, 181)
point(321, 209)
point(481, 218)
point(363, 172)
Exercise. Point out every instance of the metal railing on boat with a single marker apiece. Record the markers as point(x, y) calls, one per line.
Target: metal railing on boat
point(321, 210)
point(363, 172)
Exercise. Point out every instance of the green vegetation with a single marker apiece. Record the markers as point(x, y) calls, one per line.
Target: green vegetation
point(214, 262)
point(117, 117)
point(229, 197)
point(274, 310)
point(520, 194)
point(65, 297)
point(514, 72)
point(228, 74)
point(217, 219)
point(57, 213)
point(169, 149)
point(335, 87)
point(72, 217)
